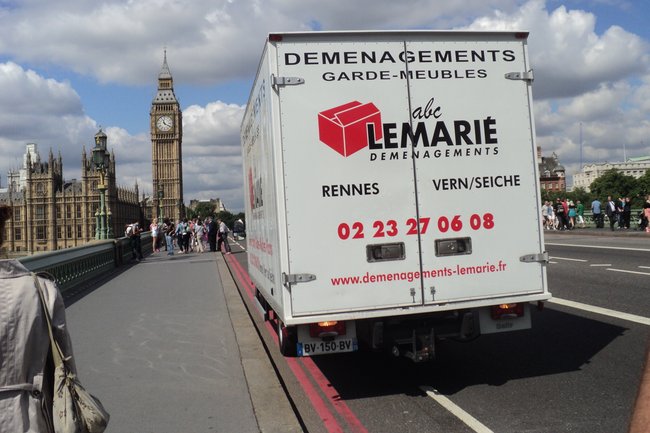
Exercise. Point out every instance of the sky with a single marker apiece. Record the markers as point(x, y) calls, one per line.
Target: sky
point(69, 67)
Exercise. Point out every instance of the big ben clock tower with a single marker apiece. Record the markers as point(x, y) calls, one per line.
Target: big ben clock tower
point(166, 148)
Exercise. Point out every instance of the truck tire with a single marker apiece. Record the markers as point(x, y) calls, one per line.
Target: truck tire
point(287, 339)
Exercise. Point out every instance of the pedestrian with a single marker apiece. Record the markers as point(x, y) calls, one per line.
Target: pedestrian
point(620, 217)
point(597, 213)
point(133, 232)
point(545, 215)
point(154, 235)
point(199, 230)
point(180, 230)
point(185, 234)
point(551, 215)
point(580, 214)
point(610, 209)
point(26, 369)
point(572, 215)
point(627, 212)
point(223, 237)
point(193, 246)
point(212, 234)
point(560, 214)
point(169, 229)
point(646, 214)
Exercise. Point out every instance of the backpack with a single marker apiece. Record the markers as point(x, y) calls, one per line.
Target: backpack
point(129, 231)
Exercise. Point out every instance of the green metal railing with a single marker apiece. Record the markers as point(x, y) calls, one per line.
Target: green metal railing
point(634, 219)
point(74, 266)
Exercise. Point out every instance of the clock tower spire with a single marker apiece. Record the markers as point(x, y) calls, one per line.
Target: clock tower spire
point(166, 123)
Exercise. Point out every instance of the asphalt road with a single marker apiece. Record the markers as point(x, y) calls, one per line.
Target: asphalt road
point(576, 370)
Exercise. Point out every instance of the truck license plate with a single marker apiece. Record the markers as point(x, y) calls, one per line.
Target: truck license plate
point(321, 347)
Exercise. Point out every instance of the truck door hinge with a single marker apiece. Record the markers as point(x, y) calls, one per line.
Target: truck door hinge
point(539, 258)
point(525, 76)
point(285, 81)
point(297, 278)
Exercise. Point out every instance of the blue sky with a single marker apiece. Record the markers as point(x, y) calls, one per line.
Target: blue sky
point(69, 66)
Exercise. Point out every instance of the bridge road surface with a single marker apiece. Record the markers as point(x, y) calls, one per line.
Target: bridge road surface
point(167, 346)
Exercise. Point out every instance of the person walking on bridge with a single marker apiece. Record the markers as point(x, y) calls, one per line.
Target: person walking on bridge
point(597, 213)
point(212, 234)
point(223, 237)
point(169, 229)
point(26, 376)
point(611, 212)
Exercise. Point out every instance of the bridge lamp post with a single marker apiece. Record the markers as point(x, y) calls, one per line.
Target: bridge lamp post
point(101, 161)
point(161, 196)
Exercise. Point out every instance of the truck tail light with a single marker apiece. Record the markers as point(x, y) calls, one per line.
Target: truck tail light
point(507, 311)
point(326, 329)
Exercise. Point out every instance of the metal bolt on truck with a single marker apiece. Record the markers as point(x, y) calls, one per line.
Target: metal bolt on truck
point(392, 189)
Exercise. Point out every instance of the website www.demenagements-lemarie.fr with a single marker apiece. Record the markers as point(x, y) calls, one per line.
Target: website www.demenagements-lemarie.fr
point(410, 276)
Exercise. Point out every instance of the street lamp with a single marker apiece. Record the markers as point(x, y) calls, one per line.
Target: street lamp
point(161, 195)
point(101, 161)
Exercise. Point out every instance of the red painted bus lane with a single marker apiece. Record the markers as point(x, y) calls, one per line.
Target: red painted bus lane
point(307, 373)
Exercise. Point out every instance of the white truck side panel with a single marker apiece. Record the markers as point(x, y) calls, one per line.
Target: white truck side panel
point(264, 202)
point(400, 139)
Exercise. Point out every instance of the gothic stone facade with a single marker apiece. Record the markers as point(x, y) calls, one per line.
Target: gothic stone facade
point(50, 213)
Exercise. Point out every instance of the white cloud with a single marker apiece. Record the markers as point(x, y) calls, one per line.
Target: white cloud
point(43, 111)
point(585, 78)
point(212, 155)
point(599, 80)
point(568, 57)
point(212, 42)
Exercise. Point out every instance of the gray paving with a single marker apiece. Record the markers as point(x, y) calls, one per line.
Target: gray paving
point(156, 344)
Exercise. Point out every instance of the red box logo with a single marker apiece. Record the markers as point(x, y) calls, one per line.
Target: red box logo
point(344, 128)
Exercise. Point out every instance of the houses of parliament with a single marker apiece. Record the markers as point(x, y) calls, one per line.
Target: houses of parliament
point(51, 213)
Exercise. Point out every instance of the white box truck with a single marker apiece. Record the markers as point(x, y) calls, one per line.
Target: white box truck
point(392, 193)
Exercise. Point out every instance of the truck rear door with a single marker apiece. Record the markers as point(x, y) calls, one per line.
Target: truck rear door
point(408, 167)
point(346, 217)
point(476, 175)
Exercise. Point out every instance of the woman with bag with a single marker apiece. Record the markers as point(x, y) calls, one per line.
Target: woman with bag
point(32, 319)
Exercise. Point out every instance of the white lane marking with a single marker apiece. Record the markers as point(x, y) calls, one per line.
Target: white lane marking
point(604, 311)
point(566, 258)
point(459, 413)
point(232, 240)
point(628, 272)
point(555, 263)
point(644, 267)
point(597, 246)
point(606, 265)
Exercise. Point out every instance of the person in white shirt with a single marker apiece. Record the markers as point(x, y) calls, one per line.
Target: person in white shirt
point(222, 237)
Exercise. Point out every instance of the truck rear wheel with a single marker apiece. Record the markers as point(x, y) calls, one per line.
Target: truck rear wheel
point(287, 339)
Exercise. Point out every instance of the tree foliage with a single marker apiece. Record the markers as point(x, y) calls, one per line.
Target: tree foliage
point(613, 183)
point(230, 218)
point(616, 184)
point(205, 209)
point(202, 210)
point(644, 184)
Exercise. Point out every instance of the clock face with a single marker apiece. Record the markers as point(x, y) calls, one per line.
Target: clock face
point(164, 123)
